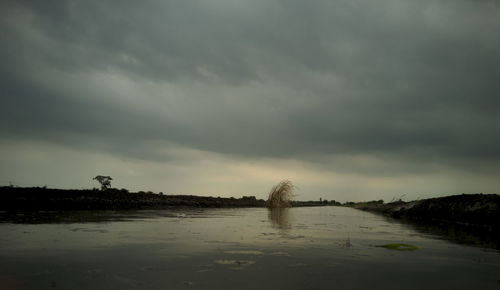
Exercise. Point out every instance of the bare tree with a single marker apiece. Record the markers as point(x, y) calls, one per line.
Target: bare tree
point(105, 181)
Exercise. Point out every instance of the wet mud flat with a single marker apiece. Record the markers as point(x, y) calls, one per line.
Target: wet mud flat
point(466, 218)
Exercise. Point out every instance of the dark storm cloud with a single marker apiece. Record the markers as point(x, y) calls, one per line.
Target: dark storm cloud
point(412, 80)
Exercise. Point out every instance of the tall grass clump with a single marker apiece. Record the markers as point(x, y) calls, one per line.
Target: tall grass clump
point(281, 195)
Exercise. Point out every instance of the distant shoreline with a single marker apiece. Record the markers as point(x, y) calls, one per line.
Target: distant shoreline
point(467, 209)
point(40, 198)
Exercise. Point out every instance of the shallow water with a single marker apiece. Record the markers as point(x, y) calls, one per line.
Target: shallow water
point(254, 248)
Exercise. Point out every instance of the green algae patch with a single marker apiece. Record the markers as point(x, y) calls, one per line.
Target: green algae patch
point(399, 247)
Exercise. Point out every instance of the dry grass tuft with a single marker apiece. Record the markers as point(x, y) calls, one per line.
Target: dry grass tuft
point(281, 195)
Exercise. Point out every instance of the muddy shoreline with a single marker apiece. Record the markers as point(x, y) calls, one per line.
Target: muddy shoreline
point(467, 209)
point(467, 219)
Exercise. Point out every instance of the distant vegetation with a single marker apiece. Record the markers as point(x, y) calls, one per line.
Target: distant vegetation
point(42, 198)
point(363, 203)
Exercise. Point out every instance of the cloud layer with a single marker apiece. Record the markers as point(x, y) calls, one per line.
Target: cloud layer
point(378, 91)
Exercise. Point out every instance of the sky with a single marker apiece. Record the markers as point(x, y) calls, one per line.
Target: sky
point(350, 100)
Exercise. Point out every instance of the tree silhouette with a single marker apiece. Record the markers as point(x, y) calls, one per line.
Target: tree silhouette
point(105, 181)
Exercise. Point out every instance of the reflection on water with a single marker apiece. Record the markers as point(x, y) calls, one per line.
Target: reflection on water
point(257, 248)
point(480, 236)
point(280, 217)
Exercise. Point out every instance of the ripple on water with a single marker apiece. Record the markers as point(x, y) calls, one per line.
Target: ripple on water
point(237, 264)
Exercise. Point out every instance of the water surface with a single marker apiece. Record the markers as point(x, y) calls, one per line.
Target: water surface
point(254, 248)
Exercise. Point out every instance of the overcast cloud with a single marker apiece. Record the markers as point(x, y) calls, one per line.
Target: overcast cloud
point(351, 100)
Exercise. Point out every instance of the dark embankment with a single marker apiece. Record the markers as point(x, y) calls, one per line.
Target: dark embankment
point(466, 218)
point(36, 198)
point(474, 209)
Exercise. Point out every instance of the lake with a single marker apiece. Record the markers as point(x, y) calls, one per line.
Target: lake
point(250, 248)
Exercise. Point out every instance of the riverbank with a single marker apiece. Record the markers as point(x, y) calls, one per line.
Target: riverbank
point(467, 209)
point(40, 198)
point(466, 219)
